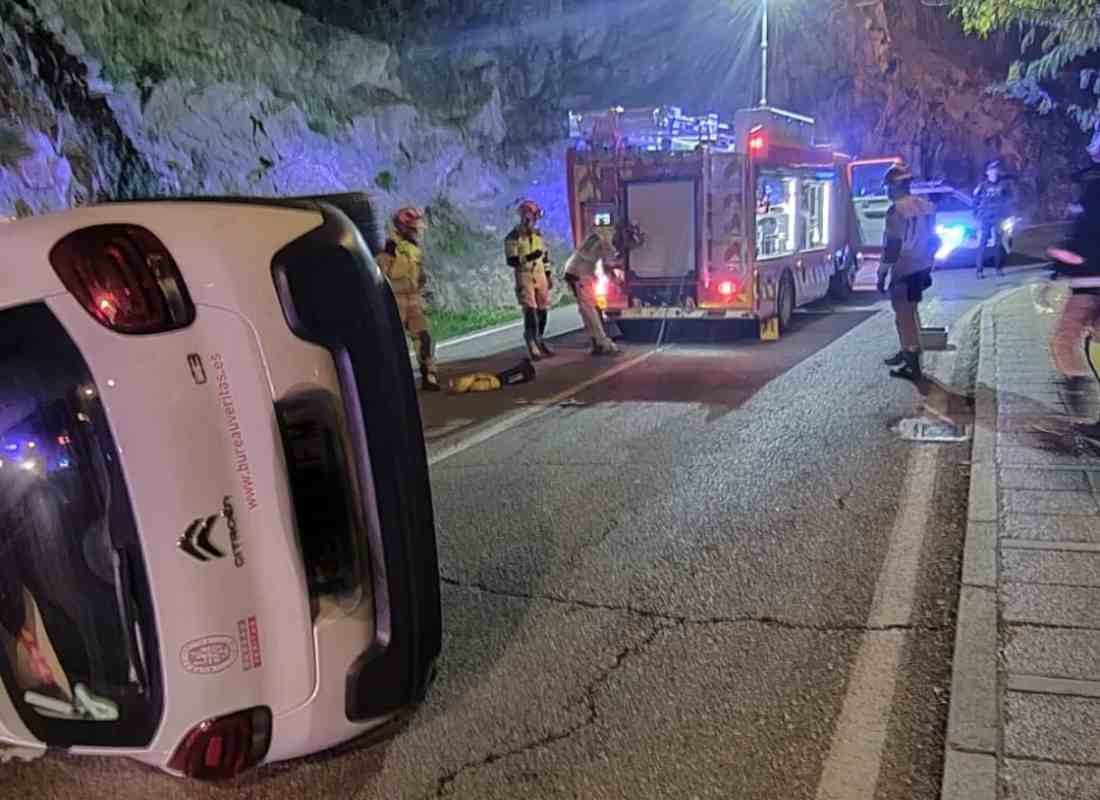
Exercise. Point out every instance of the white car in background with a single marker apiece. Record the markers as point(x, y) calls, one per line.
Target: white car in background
point(956, 225)
point(217, 546)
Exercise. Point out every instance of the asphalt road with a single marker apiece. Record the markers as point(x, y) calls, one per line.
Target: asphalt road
point(717, 573)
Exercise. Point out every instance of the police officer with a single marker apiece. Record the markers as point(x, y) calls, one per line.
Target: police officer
point(401, 262)
point(525, 252)
point(994, 200)
point(1078, 260)
point(909, 246)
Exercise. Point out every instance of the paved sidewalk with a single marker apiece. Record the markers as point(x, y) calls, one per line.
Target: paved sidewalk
point(1025, 706)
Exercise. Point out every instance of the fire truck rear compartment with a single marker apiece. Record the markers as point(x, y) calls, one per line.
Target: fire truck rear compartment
point(666, 210)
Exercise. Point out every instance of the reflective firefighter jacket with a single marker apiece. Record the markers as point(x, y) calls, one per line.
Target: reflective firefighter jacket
point(582, 263)
point(400, 261)
point(526, 252)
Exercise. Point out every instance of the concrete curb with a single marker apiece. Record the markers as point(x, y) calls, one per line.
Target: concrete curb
point(973, 724)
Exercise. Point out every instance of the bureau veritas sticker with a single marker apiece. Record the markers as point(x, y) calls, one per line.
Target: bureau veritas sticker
point(208, 655)
point(248, 638)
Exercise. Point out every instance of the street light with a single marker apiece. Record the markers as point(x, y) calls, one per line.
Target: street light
point(764, 56)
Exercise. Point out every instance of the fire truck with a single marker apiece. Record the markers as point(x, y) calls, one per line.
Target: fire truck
point(748, 221)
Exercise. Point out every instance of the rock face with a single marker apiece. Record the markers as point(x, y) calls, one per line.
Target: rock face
point(899, 77)
point(457, 105)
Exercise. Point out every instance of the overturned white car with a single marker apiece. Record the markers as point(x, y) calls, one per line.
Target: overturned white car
point(217, 546)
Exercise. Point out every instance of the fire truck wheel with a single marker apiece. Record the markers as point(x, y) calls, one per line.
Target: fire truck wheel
point(785, 302)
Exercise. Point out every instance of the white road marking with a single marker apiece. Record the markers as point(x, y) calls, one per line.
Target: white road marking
point(537, 407)
point(851, 770)
point(822, 312)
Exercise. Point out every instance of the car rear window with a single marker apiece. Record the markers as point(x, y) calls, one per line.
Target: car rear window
point(77, 644)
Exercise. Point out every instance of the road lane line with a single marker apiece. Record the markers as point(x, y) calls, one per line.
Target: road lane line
point(851, 770)
point(828, 312)
point(537, 407)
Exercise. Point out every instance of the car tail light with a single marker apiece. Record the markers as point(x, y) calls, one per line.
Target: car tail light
point(124, 277)
point(223, 748)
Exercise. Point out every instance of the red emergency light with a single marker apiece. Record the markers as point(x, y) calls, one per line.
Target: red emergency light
point(727, 288)
point(758, 142)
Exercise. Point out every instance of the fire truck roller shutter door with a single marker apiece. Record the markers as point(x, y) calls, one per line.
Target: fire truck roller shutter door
point(666, 211)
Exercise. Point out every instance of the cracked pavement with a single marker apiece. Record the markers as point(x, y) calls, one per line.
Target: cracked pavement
point(659, 590)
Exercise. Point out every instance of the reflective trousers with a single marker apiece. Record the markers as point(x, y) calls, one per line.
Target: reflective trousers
point(411, 308)
point(533, 288)
point(584, 289)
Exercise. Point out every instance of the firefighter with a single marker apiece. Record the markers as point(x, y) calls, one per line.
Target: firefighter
point(526, 253)
point(909, 246)
point(1078, 260)
point(584, 268)
point(581, 274)
point(401, 262)
point(994, 200)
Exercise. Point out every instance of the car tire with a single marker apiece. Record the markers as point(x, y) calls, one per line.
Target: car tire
point(785, 302)
point(840, 285)
point(360, 210)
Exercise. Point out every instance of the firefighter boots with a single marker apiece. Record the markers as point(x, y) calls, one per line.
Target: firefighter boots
point(531, 334)
point(895, 360)
point(607, 348)
point(545, 351)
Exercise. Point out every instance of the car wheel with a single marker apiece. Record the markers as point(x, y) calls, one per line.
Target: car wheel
point(784, 304)
point(840, 285)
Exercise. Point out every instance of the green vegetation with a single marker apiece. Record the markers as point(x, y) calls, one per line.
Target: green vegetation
point(449, 324)
point(1057, 34)
point(385, 181)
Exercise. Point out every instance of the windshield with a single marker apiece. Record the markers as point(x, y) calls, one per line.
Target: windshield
point(869, 200)
point(869, 180)
point(871, 216)
point(73, 645)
